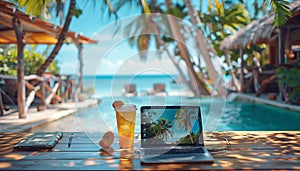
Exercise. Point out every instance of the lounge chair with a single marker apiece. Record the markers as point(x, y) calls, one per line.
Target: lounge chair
point(129, 90)
point(158, 90)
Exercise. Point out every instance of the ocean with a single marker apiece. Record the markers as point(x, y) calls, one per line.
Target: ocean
point(112, 85)
point(217, 114)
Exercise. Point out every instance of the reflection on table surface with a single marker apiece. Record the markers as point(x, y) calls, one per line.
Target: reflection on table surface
point(249, 150)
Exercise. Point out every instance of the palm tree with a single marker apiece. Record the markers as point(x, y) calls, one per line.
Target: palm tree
point(198, 86)
point(60, 40)
point(195, 83)
point(40, 9)
point(183, 120)
point(162, 128)
point(221, 22)
point(203, 46)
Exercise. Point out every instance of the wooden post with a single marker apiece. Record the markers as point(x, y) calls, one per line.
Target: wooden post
point(242, 70)
point(43, 92)
point(20, 75)
point(60, 89)
point(79, 47)
point(1, 104)
point(281, 47)
point(68, 88)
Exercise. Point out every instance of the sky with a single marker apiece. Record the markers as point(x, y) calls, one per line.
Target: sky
point(89, 24)
point(109, 56)
point(112, 52)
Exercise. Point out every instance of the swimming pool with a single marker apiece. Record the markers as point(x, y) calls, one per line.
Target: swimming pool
point(217, 115)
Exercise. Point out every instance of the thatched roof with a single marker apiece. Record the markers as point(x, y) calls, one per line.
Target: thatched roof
point(36, 31)
point(258, 31)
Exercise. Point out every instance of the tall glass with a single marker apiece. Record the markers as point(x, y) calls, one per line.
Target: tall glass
point(126, 123)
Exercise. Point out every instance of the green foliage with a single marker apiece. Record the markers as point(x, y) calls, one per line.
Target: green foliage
point(158, 131)
point(221, 22)
point(32, 59)
point(259, 8)
point(291, 77)
point(77, 12)
point(139, 36)
point(259, 52)
point(8, 64)
point(162, 128)
point(36, 8)
point(187, 139)
point(42, 8)
point(281, 10)
point(183, 120)
point(177, 10)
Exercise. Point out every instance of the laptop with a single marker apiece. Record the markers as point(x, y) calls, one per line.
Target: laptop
point(172, 134)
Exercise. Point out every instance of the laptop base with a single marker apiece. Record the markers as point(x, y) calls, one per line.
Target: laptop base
point(204, 157)
point(182, 158)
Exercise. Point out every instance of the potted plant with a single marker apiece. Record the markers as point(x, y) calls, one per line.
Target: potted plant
point(272, 96)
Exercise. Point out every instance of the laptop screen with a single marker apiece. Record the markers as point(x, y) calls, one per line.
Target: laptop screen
point(171, 126)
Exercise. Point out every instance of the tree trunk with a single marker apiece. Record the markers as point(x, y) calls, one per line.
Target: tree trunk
point(198, 86)
point(159, 42)
point(202, 45)
point(60, 40)
point(177, 67)
point(191, 138)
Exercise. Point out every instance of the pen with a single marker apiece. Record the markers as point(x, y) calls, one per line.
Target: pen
point(70, 140)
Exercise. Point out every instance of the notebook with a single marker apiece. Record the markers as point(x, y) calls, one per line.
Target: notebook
point(172, 134)
point(39, 141)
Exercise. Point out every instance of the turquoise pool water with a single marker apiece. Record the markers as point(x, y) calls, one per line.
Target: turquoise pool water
point(217, 115)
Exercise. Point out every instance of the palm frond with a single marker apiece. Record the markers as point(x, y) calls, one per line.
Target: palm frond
point(111, 9)
point(145, 7)
point(281, 10)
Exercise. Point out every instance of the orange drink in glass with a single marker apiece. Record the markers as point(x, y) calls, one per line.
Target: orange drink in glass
point(126, 124)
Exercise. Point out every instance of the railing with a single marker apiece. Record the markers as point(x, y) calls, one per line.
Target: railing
point(48, 89)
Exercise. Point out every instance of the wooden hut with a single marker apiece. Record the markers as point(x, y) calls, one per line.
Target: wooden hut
point(283, 43)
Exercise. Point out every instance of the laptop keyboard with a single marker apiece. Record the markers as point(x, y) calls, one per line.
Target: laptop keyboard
point(175, 151)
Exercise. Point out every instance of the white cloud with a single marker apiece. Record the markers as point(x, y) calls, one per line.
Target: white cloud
point(153, 65)
point(108, 37)
point(120, 62)
point(109, 64)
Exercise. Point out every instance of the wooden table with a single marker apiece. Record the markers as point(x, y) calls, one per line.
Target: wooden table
point(250, 150)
